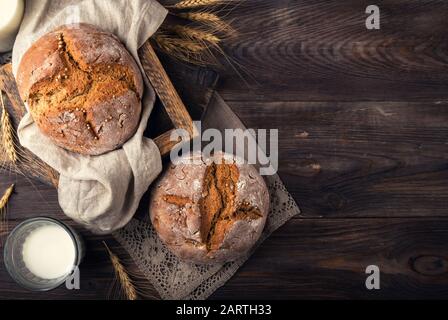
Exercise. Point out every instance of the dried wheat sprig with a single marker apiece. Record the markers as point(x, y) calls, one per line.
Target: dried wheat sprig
point(200, 16)
point(186, 4)
point(195, 34)
point(188, 50)
point(7, 134)
point(122, 275)
point(4, 199)
point(3, 203)
point(16, 158)
point(171, 44)
point(27, 164)
point(209, 19)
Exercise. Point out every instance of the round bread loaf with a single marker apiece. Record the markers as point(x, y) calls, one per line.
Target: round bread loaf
point(209, 211)
point(83, 88)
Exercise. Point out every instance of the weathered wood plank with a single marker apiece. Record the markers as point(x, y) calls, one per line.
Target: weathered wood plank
point(360, 158)
point(307, 258)
point(321, 50)
point(323, 258)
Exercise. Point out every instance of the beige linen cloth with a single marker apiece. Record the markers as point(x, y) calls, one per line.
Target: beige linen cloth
point(100, 192)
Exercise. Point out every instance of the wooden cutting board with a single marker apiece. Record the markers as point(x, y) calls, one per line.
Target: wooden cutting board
point(195, 84)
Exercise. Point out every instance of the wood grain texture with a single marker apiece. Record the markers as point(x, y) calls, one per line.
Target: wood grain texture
point(360, 159)
point(327, 258)
point(184, 77)
point(320, 50)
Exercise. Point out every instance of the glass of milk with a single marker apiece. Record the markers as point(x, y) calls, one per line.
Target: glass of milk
point(11, 13)
point(40, 253)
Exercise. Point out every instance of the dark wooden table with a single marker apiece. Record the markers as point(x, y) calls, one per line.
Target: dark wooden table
point(363, 129)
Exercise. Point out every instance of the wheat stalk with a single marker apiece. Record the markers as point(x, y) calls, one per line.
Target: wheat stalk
point(186, 4)
point(200, 16)
point(3, 203)
point(196, 52)
point(4, 199)
point(196, 34)
point(209, 19)
point(16, 158)
point(192, 45)
point(7, 134)
point(122, 275)
point(171, 45)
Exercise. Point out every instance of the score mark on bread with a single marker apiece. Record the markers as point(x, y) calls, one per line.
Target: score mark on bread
point(218, 221)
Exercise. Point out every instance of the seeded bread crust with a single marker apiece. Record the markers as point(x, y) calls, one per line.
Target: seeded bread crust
point(208, 213)
point(83, 88)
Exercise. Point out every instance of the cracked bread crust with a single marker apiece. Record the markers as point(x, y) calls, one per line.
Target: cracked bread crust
point(209, 212)
point(83, 89)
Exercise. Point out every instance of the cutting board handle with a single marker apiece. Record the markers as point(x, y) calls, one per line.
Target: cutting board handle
point(169, 97)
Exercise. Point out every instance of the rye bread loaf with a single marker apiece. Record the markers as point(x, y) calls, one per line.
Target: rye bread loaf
point(83, 88)
point(211, 211)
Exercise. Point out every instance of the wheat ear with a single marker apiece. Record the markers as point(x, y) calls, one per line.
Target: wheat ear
point(122, 275)
point(196, 34)
point(209, 19)
point(200, 16)
point(195, 52)
point(186, 4)
point(3, 203)
point(7, 134)
point(4, 199)
point(172, 45)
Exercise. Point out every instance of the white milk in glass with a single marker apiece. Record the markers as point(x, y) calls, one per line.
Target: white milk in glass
point(49, 252)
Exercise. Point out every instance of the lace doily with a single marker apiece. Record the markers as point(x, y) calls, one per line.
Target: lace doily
point(174, 279)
